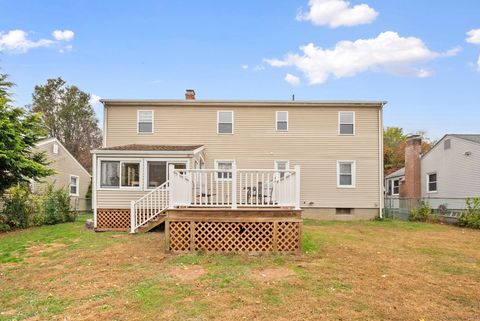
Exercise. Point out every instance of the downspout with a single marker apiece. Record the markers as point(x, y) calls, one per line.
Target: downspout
point(380, 159)
point(94, 189)
point(105, 114)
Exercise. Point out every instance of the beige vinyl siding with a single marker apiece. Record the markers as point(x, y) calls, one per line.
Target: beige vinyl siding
point(458, 175)
point(64, 166)
point(311, 141)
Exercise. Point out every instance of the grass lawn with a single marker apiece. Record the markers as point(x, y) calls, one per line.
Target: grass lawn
point(348, 271)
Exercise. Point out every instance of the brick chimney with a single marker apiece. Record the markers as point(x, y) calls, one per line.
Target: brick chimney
point(190, 94)
point(411, 187)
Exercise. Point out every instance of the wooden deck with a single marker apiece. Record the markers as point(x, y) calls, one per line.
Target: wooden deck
point(233, 230)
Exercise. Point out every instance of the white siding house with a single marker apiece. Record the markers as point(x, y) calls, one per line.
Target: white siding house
point(451, 169)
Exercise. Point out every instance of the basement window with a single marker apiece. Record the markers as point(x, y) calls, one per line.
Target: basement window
point(343, 211)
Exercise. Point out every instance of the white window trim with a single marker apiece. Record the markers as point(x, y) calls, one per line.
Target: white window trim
point(275, 165)
point(168, 160)
point(354, 123)
point(216, 161)
point(276, 121)
point(428, 183)
point(55, 148)
point(393, 186)
point(218, 121)
point(120, 187)
point(138, 122)
point(70, 184)
point(354, 173)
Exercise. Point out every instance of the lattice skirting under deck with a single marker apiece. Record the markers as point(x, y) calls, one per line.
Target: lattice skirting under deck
point(113, 219)
point(233, 236)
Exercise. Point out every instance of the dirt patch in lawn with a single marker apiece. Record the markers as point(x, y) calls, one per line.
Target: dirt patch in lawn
point(187, 273)
point(352, 271)
point(272, 274)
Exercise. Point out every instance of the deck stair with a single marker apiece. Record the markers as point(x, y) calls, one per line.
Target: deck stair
point(151, 224)
point(149, 211)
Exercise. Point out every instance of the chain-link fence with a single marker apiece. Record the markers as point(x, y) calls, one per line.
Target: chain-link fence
point(81, 205)
point(446, 209)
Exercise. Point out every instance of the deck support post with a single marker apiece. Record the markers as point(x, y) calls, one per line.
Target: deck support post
point(234, 186)
point(132, 217)
point(297, 187)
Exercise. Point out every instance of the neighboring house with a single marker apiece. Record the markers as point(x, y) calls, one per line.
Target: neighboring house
point(392, 183)
point(337, 145)
point(447, 174)
point(70, 174)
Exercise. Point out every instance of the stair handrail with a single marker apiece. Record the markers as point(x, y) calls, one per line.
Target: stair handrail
point(139, 218)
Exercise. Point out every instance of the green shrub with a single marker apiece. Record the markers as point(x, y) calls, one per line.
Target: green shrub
point(471, 216)
point(55, 206)
point(18, 208)
point(421, 213)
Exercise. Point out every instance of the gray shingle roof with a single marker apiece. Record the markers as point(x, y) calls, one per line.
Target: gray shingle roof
point(471, 137)
point(139, 147)
point(398, 173)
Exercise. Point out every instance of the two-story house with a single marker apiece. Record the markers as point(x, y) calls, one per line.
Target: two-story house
point(254, 147)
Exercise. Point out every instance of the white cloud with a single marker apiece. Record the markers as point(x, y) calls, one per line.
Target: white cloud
point(63, 35)
point(473, 36)
point(336, 13)
point(387, 52)
point(17, 41)
point(94, 99)
point(292, 80)
point(478, 63)
point(424, 73)
point(258, 68)
point(244, 67)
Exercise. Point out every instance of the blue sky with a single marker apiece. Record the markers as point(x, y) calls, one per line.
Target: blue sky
point(413, 54)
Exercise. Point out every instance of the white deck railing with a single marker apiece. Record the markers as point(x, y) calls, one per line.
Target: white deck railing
point(218, 188)
point(235, 188)
point(149, 206)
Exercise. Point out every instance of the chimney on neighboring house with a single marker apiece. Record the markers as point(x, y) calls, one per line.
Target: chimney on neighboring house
point(411, 187)
point(190, 94)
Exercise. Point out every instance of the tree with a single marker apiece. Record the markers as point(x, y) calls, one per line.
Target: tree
point(19, 132)
point(394, 141)
point(68, 116)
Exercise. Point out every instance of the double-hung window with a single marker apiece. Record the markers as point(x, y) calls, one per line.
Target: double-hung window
point(120, 174)
point(396, 187)
point(225, 122)
point(282, 121)
point(346, 123)
point(74, 185)
point(281, 166)
point(145, 121)
point(55, 148)
point(432, 183)
point(227, 166)
point(346, 174)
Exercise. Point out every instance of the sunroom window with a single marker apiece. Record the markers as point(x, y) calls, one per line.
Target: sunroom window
point(130, 174)
point(120, 174)
point(110, 174)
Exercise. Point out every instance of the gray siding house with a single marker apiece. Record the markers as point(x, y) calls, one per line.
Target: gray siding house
point(451, 169)
point(449, 172)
